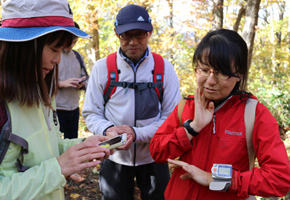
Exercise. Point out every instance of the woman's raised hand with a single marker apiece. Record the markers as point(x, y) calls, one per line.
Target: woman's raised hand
point(204, 109)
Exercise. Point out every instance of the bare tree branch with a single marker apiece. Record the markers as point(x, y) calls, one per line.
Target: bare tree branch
point(241, 13)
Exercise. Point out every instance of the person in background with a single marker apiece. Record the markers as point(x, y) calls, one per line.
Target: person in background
point(208, 149)
point(72, 79)
point(134, 109)
point(31, 42)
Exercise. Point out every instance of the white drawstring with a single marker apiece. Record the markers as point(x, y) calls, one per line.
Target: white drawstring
point(47, 109)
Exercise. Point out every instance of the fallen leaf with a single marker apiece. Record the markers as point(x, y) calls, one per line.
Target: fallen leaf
point(74, 195)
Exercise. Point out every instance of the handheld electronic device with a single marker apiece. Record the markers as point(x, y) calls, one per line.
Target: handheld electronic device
point(222, 177)
point(87, 77)
point(115, 142)
point(221, 171)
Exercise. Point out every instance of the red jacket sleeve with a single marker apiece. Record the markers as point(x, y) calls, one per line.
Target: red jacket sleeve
point(170, 140)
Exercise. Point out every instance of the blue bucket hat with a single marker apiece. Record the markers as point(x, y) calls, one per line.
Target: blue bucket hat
point(24, 20)
point(133, 17)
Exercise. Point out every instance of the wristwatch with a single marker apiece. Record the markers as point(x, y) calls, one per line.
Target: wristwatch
point(222, 177)
point(189, 129)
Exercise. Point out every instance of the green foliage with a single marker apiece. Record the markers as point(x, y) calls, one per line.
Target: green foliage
point(278, 102)
point(269, 73)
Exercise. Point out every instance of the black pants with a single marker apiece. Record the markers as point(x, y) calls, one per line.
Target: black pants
point(69, 122)
point(117, 182)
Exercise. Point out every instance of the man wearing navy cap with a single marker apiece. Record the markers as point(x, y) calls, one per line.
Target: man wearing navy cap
point(136, 99)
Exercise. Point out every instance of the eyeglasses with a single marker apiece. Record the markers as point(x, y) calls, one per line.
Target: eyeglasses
point(206, 72)
point(139, 35)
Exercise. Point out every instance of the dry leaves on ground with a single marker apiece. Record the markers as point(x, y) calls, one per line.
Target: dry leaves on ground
point(89, 188)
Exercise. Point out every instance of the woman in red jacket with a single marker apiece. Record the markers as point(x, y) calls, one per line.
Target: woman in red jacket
point(211, 145)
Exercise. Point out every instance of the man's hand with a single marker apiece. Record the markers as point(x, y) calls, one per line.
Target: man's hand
point(118, 130)
point(72, 83)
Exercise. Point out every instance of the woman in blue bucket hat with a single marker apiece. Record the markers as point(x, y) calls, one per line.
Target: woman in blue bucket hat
point(32, 36)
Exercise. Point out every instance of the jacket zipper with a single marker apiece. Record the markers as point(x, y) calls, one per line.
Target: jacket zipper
point(215, 110)
point(213, 121)
point(134, 159)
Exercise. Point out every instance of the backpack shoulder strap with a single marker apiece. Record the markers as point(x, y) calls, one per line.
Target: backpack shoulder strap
point(7, 136)
point(249, 117)
point(158, 74)
point(79, 58)
point(112, 76)
point(180, 108)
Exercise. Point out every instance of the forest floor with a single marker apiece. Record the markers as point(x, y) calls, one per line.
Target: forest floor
point(86, 190)
point(89, 188)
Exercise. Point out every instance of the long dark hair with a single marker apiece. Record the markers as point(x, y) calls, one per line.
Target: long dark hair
point(226, 52)
point(21, 76)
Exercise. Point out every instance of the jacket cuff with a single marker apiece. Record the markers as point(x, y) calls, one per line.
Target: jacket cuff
point(104, 132)
point(134, 134)
point(234, 187)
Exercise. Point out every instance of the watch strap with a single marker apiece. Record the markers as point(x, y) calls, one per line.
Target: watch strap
point(220, 185)
point(189, 129)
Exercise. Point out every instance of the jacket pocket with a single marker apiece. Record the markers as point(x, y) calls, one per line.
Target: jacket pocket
point(146, 104)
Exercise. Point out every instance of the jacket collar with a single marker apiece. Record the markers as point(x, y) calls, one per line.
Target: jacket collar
point(134, 65)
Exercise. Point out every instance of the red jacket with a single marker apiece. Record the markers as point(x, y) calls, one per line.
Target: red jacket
point(223, 141)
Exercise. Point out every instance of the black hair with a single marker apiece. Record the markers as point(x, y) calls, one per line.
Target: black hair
point(21, 76)
point(77, 25)
point(226, 52)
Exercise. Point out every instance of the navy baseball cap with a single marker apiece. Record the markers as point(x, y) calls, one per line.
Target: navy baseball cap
point(133, 17)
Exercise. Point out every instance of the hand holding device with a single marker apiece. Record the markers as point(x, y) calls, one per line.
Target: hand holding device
point(87, 77)
point(114, 142)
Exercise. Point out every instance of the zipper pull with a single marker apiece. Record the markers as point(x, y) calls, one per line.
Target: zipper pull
point(55, 118)
point(213, 121)
point(126, 90)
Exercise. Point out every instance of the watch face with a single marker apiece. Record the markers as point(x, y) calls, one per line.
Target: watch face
point(222, 171)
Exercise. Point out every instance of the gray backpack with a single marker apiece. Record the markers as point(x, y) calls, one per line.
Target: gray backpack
point(6, 136)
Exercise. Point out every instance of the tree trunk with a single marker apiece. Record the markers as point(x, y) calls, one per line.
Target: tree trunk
point(170, 4)
point(281, 6)
point(96, 41)
point(218, 14)
point(241, 13)
point(249, 30)
point(278, 33)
